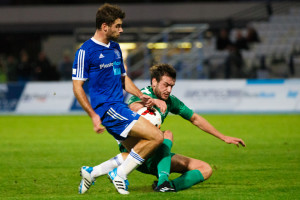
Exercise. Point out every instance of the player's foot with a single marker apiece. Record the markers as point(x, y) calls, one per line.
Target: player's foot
point(120, 184)
point(87, 180)
point(164, 187)
point(154, 185)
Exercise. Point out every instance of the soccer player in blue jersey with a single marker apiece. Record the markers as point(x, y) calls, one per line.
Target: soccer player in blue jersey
point(163, 162)
point(100, 61)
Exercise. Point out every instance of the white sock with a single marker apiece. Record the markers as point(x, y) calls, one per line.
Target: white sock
point(107, 166)
point(132, 161)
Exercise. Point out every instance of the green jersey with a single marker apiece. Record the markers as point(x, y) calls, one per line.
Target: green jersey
point(174, 105)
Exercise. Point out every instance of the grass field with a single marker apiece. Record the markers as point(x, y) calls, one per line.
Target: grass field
point(40, 158)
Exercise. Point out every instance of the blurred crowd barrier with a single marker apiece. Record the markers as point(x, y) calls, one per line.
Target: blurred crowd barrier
point(203, 96)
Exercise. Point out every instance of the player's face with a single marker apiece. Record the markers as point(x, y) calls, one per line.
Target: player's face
point(163, 88)
point(114, 31)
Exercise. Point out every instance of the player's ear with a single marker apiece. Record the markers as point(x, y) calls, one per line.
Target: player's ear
point(104, 27)
point(154, 82)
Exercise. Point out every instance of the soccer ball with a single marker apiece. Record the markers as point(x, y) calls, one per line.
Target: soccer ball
point(151, 114)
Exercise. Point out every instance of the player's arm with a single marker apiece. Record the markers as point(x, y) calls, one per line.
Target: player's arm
point(204, 125)
point(85, 104)
point(136, 106)
point(131, 88)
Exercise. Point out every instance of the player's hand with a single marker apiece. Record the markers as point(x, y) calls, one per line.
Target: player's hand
point(97, 122)
point(147, 100)
point(160, 104)
point(233, 140)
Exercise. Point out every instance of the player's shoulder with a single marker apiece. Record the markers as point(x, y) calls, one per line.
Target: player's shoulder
point(93, 44)
point(173, 98)
point(147, 90)
point(114, 45)
point(87, 43)
point(173, 101)
point(86, 46)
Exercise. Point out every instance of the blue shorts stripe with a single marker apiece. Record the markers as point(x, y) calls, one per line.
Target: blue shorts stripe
point(117, 114)
point(113, 115)
point(118, 119)
point(110, 114)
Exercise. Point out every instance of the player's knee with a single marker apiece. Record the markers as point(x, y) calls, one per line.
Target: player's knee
point(168, 135)
point(206, 170)
point(202, 166)
point(158, 138)
point(209, 170)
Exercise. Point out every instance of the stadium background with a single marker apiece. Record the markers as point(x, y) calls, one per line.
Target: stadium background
point(44, 141)
point(39, 39)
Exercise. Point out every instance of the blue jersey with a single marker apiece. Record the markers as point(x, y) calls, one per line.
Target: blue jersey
point(103, 66)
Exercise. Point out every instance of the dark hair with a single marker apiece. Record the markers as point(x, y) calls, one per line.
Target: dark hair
point(159, 70)
point(108, 14)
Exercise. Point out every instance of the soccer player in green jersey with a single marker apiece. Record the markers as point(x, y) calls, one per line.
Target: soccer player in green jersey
point(163, 162)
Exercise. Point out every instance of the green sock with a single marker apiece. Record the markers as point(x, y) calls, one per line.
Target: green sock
point(164, 165)
point(187, 180)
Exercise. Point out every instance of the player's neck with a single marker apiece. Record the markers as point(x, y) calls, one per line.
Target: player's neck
point(101, 37)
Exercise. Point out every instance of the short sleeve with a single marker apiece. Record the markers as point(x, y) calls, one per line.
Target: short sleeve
point(80, 66)
point(123, 71)
point(179, 108)
point(133, 99)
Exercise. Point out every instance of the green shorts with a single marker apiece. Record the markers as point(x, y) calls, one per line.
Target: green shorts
point(150, 165)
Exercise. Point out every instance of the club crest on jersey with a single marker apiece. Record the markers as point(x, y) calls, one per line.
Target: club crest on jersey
point(118, 54)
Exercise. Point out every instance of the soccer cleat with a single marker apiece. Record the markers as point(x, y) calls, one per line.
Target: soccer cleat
point(164, 187)
point(87, 180)
point(120, 184)
point(154, 185)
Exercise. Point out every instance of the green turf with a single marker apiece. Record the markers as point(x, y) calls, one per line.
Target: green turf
point(40, 158)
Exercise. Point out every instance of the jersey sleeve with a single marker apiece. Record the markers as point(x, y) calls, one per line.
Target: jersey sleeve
point(133, 99)
point(80, 65)
point(179, 108)
point(123, 71)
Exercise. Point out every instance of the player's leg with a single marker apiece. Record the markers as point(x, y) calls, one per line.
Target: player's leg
point(108, 165)
point(145, 137)
point(158, 163)
point(182, 164)
point(193, 171)
point(163, 167)
point(122, 123)
point(89, 174)
point(150, 138)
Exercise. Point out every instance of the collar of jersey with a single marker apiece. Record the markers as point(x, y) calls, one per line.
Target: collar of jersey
point(100, 43)
point(151, 90)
